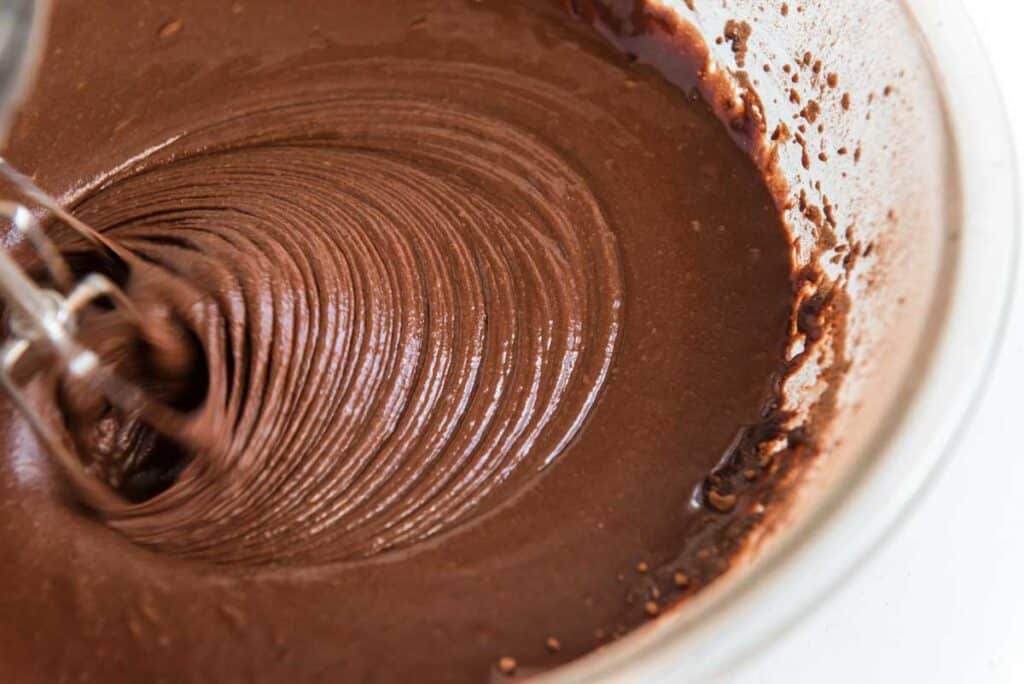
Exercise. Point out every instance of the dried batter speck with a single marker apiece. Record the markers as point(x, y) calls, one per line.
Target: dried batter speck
point(810, 111)
point(170, 28)
point(738, 33)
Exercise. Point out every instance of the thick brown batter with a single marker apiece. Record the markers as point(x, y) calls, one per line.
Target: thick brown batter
point(486, 317)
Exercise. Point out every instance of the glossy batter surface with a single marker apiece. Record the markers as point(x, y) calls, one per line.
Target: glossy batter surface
point(487, 316)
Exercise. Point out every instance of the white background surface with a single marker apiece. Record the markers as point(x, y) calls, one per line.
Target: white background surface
point(943, 601)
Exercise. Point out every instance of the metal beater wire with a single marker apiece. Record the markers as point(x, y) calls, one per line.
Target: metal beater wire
point(42, 324)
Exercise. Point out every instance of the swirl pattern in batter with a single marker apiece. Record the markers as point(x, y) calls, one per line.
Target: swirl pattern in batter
point(476, 318)
point(406, 311)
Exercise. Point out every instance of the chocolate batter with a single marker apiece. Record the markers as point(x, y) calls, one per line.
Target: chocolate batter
point(477, 318)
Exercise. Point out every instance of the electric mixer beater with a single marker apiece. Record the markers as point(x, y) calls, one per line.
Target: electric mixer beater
point(43, 315)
